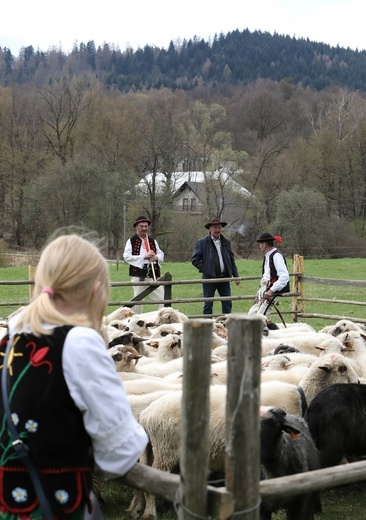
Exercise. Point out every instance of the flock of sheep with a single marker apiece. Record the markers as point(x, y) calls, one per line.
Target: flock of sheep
point(312, 396)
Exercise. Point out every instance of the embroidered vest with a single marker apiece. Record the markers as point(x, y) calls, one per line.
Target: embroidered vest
point(146, 271)
point(50, 425)
point(273, 272)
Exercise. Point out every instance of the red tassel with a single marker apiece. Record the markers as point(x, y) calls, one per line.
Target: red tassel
point(278, 239)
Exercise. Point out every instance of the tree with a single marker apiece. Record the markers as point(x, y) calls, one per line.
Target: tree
point(21, 156)
point(63, 102)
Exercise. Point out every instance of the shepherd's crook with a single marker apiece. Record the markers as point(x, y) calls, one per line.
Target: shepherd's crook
point(147, 247)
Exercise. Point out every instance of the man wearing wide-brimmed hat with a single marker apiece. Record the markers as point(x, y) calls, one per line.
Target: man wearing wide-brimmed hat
point(213, 257)
point(144, 255)
point(275, 275)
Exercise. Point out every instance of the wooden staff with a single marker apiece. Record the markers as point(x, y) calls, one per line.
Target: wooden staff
point(147, 247)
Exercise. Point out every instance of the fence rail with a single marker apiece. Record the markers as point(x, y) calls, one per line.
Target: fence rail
point(297, 294)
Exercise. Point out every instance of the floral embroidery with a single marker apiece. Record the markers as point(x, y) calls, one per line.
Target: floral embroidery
point(31, 426)
point(36, 356)
point(36, 359)
point(20, 494)
point(62, 496)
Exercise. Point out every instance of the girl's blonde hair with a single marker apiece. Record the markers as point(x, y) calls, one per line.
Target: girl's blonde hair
point(74, 273)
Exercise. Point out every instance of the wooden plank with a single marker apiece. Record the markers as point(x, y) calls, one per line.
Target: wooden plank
point(220, 503)
point(313, 480)
point(194, 459)
point(242, 405)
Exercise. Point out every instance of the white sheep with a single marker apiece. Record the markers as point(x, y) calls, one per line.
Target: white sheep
point(166, 328)
point(150, 384)
point(167, 348)
point(343, 325)
point(139, 402)
point(287, 361)
point(293, 375)
point(119, 314)
point(327, 370)
point(305, 342)
point(125, 357)
point(139, 325)
point(220, 352)
point(162, 422)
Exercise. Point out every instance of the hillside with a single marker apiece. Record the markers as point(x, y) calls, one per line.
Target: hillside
point(237, 58)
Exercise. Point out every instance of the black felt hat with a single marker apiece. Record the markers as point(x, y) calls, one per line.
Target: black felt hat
point(141, 218)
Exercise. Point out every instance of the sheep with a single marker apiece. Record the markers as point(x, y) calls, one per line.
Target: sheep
point(109, 333)
point(220, 352)
point(167, 348)
point(287, 448)
point(287, 361)
point(162, 422)
point(337, 422)
point(352, 346)
point(283, 349)
point(165, 329)
point(119, 314)
point(139, 325)
point(343, 325)
point(295, 329)
point(150, 384)
point(164, 315)
point(139, 402)
point(305, 342)
point(170, 315)
point(128, 338)
point(292, 375)
point(278, 362)
point(294, 399)
point(125, 357)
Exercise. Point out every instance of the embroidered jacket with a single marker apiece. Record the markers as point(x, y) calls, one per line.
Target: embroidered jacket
point(50, 425)
point(136, 242)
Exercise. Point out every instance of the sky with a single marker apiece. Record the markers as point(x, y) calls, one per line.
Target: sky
point(131, 23)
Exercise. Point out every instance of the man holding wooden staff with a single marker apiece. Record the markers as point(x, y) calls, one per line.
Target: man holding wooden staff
point(144, 255)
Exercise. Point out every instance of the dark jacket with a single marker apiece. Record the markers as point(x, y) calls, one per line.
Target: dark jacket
point(205, 258)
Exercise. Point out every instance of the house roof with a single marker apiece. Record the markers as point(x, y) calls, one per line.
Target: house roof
point(193, 179)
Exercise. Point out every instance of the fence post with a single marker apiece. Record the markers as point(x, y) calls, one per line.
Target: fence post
point(31, 271)
point(298, 267)
point(242, 414)
point(168, 290)
point(195, 419)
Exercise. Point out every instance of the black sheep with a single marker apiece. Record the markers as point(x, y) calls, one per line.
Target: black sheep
point(288, 448)
point(337, 422)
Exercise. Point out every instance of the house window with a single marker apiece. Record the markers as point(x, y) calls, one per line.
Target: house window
point(193, 204)
point(185, 204)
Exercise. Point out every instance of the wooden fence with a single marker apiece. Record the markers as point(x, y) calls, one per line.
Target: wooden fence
point(242, 493)
point(297, 294)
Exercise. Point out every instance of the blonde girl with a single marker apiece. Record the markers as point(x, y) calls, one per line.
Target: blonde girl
point(66, 399)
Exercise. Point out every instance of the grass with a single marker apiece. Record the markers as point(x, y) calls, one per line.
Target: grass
point(346, 502)
point(341, 502)
point(344, 268)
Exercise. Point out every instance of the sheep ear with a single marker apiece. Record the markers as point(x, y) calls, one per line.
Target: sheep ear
point(319, 347)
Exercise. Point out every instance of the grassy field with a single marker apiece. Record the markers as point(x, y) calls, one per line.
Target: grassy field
point(351, 269)
point(342, 502)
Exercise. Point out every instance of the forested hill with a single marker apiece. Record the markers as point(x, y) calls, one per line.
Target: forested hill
point(235, 58)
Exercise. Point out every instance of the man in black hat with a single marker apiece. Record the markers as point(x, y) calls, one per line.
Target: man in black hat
point(213, 257)
point(144, 255)
point(275, 275)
